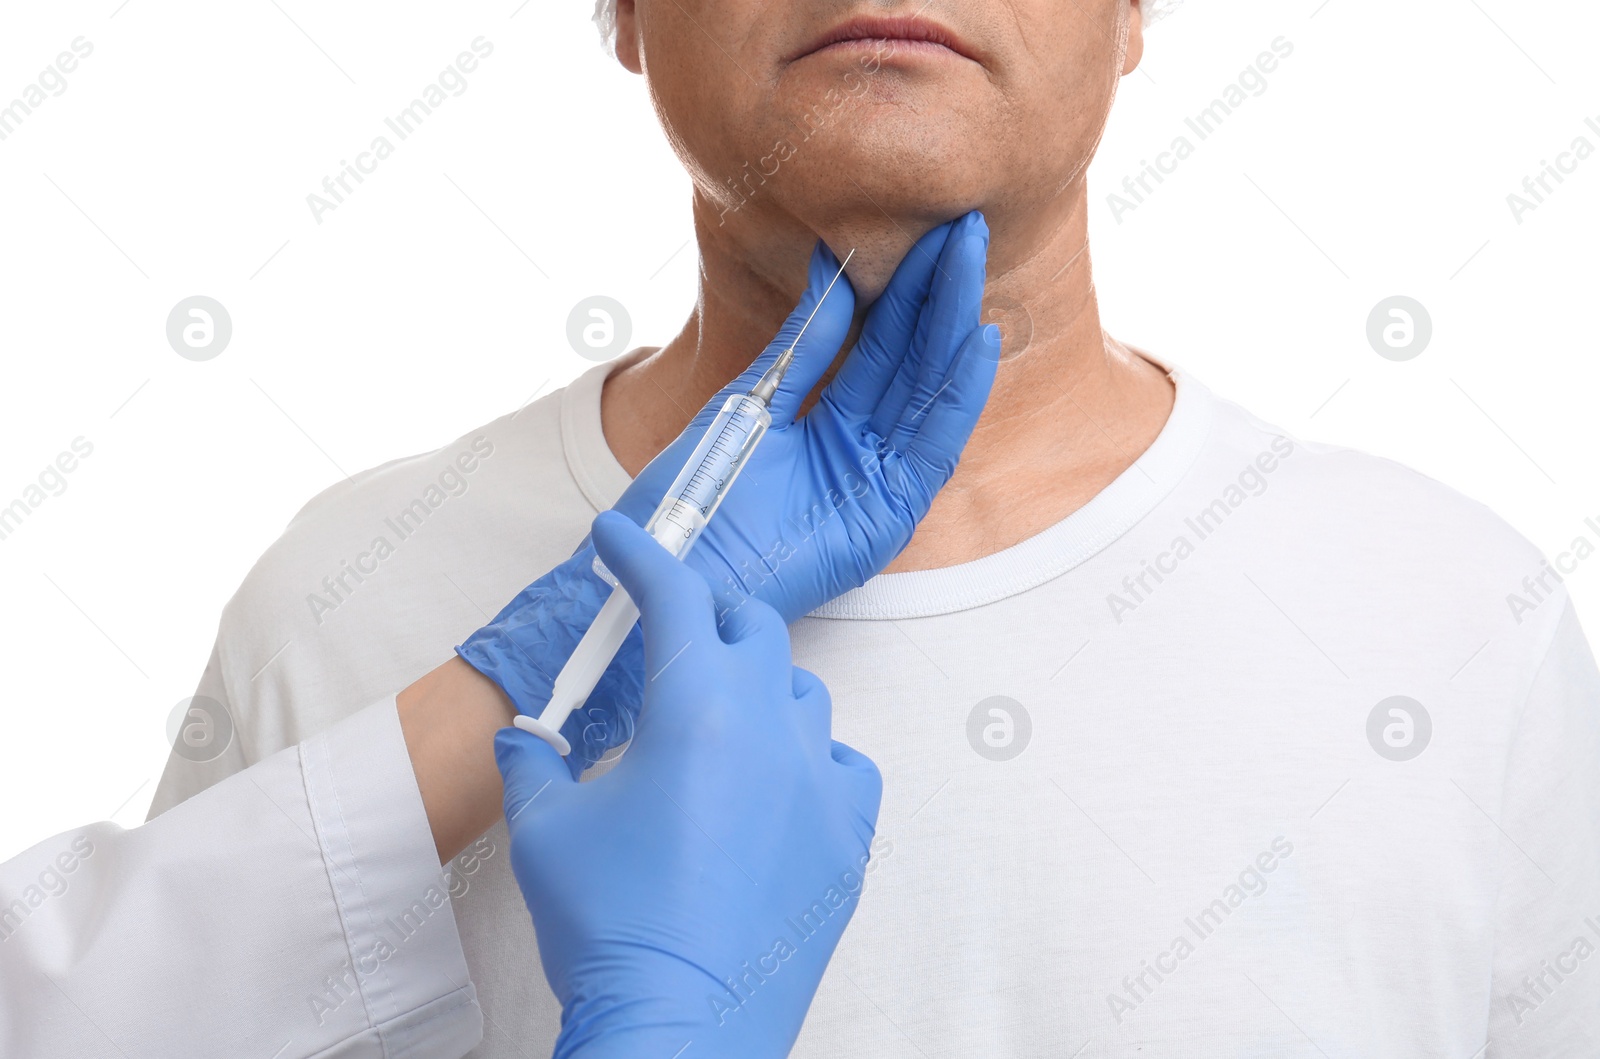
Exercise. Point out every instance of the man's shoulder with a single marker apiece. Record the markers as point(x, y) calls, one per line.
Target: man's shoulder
point(1373, 559)
point(496, 474)
point(437, 476)
point(1357, 504)
point(395, 563)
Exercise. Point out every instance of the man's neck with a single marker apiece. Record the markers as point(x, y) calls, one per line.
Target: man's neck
point(1070, 411)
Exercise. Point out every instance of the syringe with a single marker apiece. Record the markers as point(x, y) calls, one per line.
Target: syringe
point(677, 523)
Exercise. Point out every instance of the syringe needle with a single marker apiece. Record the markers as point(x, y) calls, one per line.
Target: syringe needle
point(825, 292)
point(768, 384)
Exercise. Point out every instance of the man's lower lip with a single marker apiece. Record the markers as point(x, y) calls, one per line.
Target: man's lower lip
point(889, 46)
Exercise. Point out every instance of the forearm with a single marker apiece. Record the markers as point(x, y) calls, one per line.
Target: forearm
point(450, 716)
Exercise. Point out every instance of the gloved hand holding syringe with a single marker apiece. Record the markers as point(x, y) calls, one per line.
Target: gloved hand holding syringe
point(679, 519)
point(828, 499)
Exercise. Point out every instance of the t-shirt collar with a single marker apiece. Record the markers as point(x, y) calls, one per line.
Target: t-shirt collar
point(923, 593)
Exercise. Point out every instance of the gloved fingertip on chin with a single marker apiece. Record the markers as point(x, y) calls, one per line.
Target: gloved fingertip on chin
point(973, 222)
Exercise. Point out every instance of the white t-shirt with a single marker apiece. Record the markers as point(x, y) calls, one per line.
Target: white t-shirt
point(1250, 756)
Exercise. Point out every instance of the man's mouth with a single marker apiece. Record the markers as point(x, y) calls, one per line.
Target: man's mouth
point(908, 35)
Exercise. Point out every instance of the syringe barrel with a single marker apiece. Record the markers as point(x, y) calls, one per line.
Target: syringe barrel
point(706, 477)
point(688, 505)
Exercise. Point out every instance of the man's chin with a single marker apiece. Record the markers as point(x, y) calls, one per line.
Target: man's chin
point(914, 168)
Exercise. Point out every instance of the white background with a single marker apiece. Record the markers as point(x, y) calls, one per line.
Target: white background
point(178, 160)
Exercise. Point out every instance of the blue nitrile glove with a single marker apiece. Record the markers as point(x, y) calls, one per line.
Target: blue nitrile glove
point(828, 500)
point(825, 501)
point(527, 643)
point(697, 890)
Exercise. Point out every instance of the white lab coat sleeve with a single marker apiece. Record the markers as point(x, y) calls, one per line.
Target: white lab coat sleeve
point(294, 909)
point(1545, 988)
